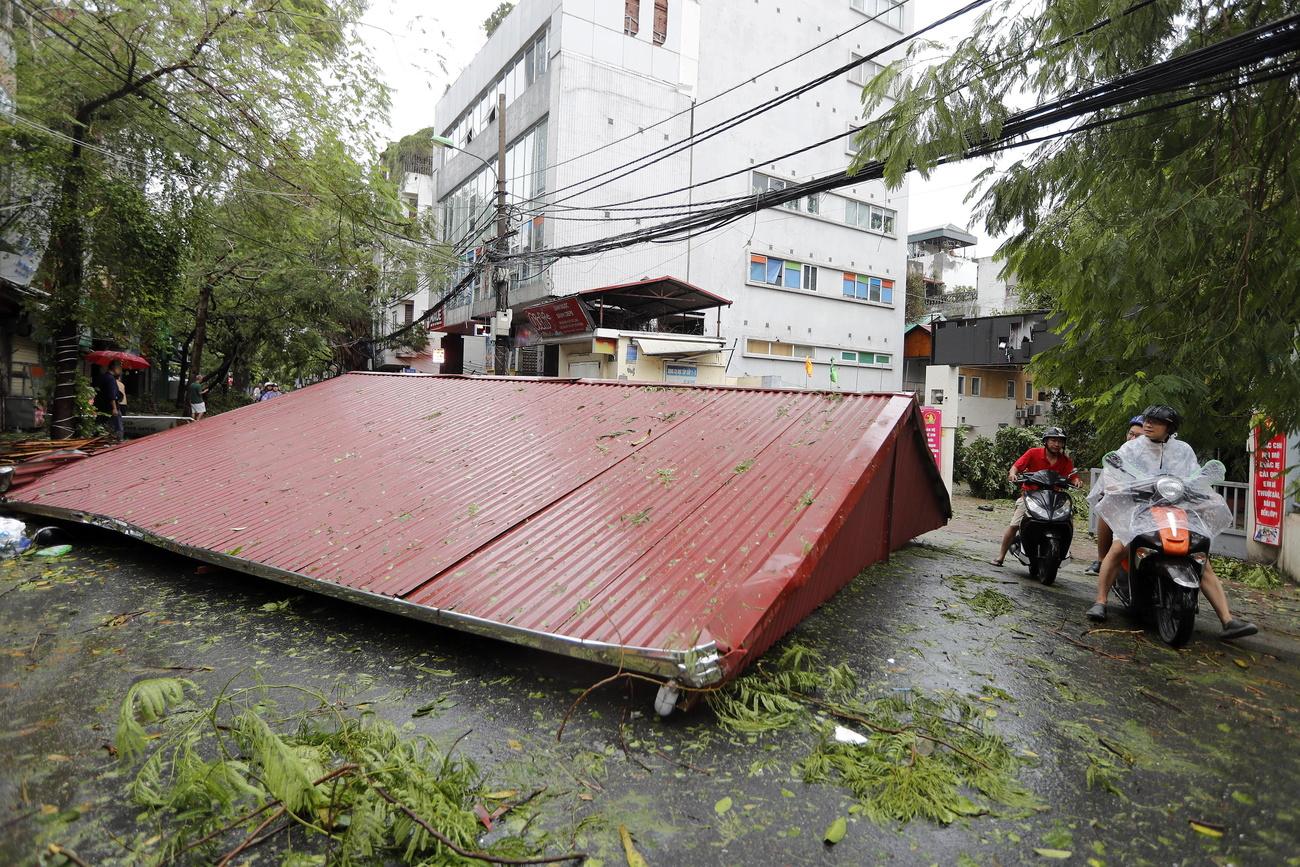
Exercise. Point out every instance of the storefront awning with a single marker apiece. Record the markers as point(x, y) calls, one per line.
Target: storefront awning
point(674, 348)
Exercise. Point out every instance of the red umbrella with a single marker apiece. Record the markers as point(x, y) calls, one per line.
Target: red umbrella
point(104, 357)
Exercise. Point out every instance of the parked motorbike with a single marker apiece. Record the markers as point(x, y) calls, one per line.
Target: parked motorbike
point(1172, 521)
point(1043, 538)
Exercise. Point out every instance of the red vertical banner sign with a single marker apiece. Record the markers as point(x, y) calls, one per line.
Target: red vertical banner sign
point(933, 419)
point(1270, 469)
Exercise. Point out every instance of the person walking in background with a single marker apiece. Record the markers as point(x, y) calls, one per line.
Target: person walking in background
point(106, 398)
point(196, 394)
point(121, 394)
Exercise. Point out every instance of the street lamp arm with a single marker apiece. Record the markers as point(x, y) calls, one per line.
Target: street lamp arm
point(443, 141)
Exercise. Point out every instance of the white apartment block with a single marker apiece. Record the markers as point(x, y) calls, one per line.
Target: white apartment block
point(591, 85)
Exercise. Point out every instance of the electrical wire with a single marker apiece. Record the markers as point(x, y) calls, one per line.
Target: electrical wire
point(684, 208)
point(188, 122)
point(695, 106)
point(1183, 72)
point(749, 114)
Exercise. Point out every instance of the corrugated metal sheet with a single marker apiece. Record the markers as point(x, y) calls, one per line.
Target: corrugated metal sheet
point(675, 530)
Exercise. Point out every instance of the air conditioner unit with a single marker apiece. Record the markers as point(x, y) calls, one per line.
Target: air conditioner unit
point(1020, 413)
point(1031, 410)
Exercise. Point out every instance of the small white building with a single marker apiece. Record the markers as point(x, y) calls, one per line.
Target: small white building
point(996, 293)
point(416, 188)
point(591, 87)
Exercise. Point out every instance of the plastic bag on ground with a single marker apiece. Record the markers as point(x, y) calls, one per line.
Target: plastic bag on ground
point(13, 538)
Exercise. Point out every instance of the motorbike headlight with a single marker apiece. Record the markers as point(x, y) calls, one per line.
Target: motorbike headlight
point(1061, 512)
point(1171, 490)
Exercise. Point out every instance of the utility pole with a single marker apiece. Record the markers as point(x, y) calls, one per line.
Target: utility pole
point(500, 277)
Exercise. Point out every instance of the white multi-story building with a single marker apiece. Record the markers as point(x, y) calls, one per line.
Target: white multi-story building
point(415, 186)
point(591, 85)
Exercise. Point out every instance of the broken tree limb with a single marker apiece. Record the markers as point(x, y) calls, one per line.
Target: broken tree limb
point(468, 853)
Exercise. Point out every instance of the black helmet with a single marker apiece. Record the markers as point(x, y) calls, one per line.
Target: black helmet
point(1053, 432)
point(1166, 414)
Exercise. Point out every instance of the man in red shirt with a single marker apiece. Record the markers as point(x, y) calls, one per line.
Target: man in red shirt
point(1049, 456)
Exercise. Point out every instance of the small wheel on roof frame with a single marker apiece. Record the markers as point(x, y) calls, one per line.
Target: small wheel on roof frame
point(666, 698)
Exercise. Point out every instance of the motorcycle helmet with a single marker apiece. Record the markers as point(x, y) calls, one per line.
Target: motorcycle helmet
point(1166, 414)
point(1137, 419)
point(1053, 432)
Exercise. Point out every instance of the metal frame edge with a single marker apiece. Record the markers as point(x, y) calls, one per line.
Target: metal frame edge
point(699, 666)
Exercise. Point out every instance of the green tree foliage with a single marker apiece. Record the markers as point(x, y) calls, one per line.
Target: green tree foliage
point(139, 118)
point(410, 153)
point(915, 295)
point(1165, 242)
point(493, 21)
point(984, 463)
point(348, 787)
point(295, 269)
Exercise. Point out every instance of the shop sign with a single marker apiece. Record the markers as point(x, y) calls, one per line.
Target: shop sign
point(1270, 470)
point(933, 419)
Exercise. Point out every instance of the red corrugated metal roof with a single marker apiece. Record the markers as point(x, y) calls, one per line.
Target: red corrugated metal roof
point(678, 530)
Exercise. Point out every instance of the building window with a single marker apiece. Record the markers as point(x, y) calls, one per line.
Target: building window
point(961, 384)
point(873, 218)
point(408, 312)
point(864, 71)
point(885, 11)
point(1029, 391)
point(877, 359)
point(810, 277)
point(864, 287)
point(631, 17)
point(661, 22)
point(771, 271)
point(974, 386)
point(776, 349)
point(527, 66)
point(466, 211)
point(1011, 389)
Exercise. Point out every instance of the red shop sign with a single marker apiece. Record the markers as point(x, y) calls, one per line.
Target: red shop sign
point(559, 318)
point(933, 419)
point(1270, 469)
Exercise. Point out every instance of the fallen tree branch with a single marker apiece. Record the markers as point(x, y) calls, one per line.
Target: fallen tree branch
point(337, 772)
point(1166, 702)
point(468, 853)
point(836, 711)
point(56, 849)
point(248, 841)
point(1094, 648)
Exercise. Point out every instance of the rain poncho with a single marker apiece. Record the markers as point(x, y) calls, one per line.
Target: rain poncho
point(1128, 512)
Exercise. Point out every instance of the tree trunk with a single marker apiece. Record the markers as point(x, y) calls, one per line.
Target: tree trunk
point(67, 249)
point(183, 370)
point(200, 330)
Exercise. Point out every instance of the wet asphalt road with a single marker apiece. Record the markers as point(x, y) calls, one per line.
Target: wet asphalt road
point(1211, 730)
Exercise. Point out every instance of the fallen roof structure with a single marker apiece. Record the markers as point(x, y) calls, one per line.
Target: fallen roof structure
point(673, 530)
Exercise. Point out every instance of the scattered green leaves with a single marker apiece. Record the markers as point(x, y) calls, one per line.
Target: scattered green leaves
point(636, 519)
point(346, 784)
point(922, 755)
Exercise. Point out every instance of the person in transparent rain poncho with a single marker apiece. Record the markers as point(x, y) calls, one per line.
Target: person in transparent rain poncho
point(1154, 453)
